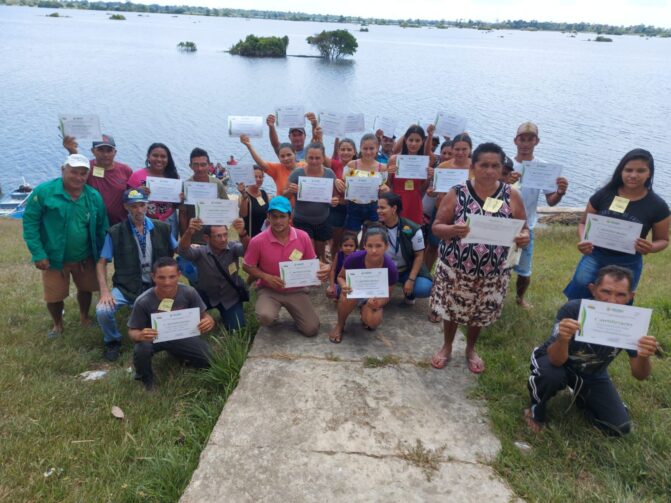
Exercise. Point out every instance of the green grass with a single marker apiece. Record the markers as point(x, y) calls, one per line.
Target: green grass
point(51, 419)
point(571, 460)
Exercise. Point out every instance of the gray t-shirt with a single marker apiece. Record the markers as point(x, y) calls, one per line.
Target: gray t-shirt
point(148, 303)
point(311, 213)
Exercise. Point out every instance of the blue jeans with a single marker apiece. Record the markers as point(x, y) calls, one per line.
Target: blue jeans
point(105, 316)
point(524, 267)
point(422, 285)
point(589, 266)
point(232, 318)
point(357, 214)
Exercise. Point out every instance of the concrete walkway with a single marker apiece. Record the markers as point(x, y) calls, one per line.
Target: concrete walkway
point(316, 421)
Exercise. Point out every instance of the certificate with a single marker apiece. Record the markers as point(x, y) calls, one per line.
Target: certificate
point(217, 211)
point(444, 179)
point(612, 233)
point(290, 117)
point(332, 124)
point(251, 126)
point(80, 126)
point(166, 190)
point(412, 166)
point(386, 124)
point(368, 283)
point(449, 125)
point(173, 325)
point(612, 325)
point(540, 175)
point(315, 189)
point(242, 173)
point(362, 189)
point(353, 123)
point(296, 273)
point(198, 191)
point(492, 230)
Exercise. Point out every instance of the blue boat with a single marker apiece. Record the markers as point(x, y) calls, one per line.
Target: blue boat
point(14, 203)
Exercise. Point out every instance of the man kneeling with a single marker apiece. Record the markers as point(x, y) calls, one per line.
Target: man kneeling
point(562, 361)
point(167, 295)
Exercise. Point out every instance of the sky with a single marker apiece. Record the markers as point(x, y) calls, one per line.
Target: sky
point(614, 12)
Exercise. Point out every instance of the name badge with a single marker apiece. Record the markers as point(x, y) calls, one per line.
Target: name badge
point(295, 255)
point(260, 201)
point(619, 204)
point(409, 185)
point(166, 305)
point(232, 268)
point(492, 205)
point(98, 172)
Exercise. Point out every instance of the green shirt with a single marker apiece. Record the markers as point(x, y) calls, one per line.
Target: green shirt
point(77, 239)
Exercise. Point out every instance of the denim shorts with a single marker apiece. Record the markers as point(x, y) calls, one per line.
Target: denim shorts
point(523, 268)
point(357, 214)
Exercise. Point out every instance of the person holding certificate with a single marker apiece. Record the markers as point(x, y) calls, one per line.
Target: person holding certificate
point(278, 171)
point(253, 203)
point(563, 361)
point(168, 295)
point(375, 244)
point(159, 164)
point(310, 216)
point(471, 279)
point(410, 190)
point(526, 140)
point(627, 197)
point(282, 243)
point(296, 136)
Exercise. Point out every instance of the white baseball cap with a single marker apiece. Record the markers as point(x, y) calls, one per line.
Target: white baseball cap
point(77, 161)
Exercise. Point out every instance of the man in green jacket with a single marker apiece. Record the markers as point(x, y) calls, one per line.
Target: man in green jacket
point(64, 227)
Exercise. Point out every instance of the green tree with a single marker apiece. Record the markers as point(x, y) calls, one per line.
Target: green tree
point(334, 44)
point(264, 47)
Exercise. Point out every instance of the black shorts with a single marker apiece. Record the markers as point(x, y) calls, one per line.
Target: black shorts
point(318, 232)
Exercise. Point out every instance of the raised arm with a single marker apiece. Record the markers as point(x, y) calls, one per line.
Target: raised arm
point(272, 134)
point(244, 139)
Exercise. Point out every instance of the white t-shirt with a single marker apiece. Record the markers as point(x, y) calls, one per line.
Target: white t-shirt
point(530, 196)
point(394, 250)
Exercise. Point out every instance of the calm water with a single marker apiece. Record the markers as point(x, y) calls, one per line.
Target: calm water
point(593, 102)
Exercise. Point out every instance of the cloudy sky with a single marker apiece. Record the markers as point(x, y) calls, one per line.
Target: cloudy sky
point(616, 12)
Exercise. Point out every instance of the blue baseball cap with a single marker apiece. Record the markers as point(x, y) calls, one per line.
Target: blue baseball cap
point(281, 204)
point(134, 196)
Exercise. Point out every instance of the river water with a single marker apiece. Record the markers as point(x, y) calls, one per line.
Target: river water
point(592, 101)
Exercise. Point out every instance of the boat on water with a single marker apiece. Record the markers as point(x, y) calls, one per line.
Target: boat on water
point(14, 203)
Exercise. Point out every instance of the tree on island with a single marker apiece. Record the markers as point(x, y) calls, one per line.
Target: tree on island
point(334, 44)
point(261, 47)
point(118, 17)
point(187, 46)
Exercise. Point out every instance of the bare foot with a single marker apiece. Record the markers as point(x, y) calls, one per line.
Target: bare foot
point(475, 363)
point(523, 303)
point(441, 357)
point(535, 426)
point(86, 321)
point(336, 335)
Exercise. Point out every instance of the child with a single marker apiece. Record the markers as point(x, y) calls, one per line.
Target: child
point(350, 243)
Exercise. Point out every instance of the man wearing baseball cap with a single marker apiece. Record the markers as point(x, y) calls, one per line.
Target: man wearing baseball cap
point(134, 245)
point(526, 140)
point(281, 242)
point(107, 176)
point(296, 135)
point(64, 227)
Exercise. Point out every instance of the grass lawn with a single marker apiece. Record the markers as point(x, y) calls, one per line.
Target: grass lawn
point(58, 438)
point(571, 460)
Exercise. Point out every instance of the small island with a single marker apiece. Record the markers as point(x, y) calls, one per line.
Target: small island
point(334, 44)
point(118, 17)
point(187, 46)
point(603, 39)
point(261, 47)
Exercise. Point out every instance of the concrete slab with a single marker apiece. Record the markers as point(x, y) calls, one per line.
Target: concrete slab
point(310, 422)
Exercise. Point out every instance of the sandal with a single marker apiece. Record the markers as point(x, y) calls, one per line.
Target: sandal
point(439, 361)
point(475, 364)
point(335, 338)
point(434, 317)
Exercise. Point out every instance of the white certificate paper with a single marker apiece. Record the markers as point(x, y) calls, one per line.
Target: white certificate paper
point(297, 273)
point(612, 233)
point(386, 124)
point(80, 126)
point(199, 191)
point(166, 190)
point(612, 325)
point(412, 166)
point(315, 189)
point(445, 179)
point(217, 211)
point(290, 117)
point(242, 173)
point(332, 124)
point(492, 230)
point(368, 283)
point(540, 175)
point(173, 325)
point(249, 125)
point(362, 189)
point(449, 125)
point(354, 123)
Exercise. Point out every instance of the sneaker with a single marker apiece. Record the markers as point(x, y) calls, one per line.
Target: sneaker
point(112, 351)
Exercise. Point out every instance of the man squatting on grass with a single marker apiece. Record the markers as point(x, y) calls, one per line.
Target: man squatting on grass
point(562, 361)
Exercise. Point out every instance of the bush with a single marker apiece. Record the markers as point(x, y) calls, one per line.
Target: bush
point(603, 39)
point(118, 17)
point(261, 47)
point(187, 46)
point(334, 44)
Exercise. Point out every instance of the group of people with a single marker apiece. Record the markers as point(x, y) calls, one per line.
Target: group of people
point(101, 212)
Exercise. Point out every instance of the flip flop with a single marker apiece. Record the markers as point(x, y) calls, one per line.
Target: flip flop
point(476, 364)
point(434, 317)
point(54, 334)
point(439, 362)
point(337, 339)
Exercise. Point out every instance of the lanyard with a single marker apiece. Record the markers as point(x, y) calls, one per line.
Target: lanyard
point(141, 238)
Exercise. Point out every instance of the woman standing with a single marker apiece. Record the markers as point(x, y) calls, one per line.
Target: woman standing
point(278, 171)
point(471, 279)
point(628, 196)
point(253, 203)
